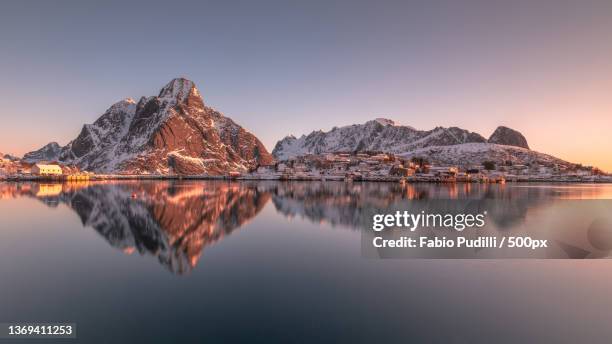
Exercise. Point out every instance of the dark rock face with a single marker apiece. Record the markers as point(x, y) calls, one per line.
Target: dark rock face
point(241, 142)
point(172, 133)
point(50, 152)
point(509, 137)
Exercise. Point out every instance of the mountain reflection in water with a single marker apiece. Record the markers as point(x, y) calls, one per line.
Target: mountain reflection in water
point(171, 220)
point(175, 220)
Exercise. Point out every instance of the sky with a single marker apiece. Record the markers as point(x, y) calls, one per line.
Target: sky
point(290, 67)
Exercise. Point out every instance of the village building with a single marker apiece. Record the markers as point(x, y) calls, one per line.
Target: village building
point(234, 174)
point(46, 170)
point(463, 177)
point(401, 171)
point(281, 167)
point(263, 169)
point(445, 171)
point(300, 167)
point(380, 157)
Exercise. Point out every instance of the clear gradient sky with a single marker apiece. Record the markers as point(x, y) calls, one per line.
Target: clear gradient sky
point(289, 67)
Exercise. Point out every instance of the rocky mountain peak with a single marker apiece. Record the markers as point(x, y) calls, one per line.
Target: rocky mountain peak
point(50, 152)
point(125, 106)
point(173, 133)
point(52, 146)
point(509, 137)
point(127, 101)
point(179, 89)
point(385, 121)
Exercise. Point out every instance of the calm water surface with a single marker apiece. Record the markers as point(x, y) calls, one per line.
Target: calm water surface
point(161, 262)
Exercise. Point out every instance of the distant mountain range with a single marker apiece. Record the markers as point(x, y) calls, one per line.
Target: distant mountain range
point(175, 133)
point(385, 135)
point(8, 156)
point(172, 133)
point(440, 145)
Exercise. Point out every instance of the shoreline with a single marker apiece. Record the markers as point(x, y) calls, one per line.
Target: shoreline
point(409, 180)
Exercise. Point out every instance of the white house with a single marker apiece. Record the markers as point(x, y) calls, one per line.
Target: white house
point(46, 170)
point(281, 167)
point(266, 169)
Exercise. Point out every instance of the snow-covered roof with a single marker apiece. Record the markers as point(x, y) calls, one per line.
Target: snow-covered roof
point(48, 166)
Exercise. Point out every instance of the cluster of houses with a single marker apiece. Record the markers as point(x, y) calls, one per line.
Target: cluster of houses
point(15, 169)
point(388, 167)
point(336, 166)
point(366, 166)
point(10, 167)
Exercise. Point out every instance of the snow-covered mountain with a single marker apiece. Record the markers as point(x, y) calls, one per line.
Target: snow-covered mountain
point(441, 145)
point(475, 153)
point(50, 152)
point(173, 132)
point(9, 157)
point(376, 135)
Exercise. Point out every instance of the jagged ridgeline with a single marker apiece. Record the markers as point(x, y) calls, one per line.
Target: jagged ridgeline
point(176, 133)
point(172, 133)
point(441, 145)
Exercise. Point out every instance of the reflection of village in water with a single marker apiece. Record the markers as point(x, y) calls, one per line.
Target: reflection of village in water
point(176, 220)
